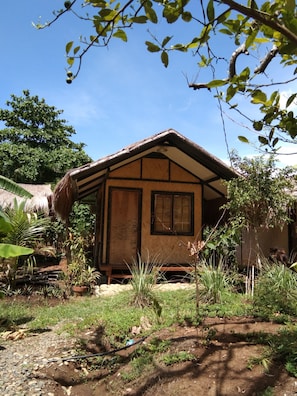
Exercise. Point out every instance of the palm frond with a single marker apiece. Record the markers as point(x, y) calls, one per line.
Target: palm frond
point(10, 186)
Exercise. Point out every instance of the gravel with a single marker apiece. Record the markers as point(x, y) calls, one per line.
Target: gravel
point(21, 360)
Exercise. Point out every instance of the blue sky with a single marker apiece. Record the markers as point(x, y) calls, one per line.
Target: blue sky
point(122, 94)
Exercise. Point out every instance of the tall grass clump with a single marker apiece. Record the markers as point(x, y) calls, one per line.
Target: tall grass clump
point(216, 280)
point(145, 274)
point(275, 290)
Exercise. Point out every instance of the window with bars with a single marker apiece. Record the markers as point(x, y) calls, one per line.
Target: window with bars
point(172, 213)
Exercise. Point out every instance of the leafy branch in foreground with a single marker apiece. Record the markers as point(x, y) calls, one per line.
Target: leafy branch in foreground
point(267, 32)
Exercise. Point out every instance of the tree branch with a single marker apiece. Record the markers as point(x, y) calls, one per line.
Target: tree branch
point(232, 64)
point(263, 18)
point(232, 67)
point(267, 59)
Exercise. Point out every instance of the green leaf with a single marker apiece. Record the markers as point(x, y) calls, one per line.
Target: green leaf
point(166, 40)
point(258, 97)
point(7, 250)
point(226, 31)
point(291, 99)
point(151, 47)
point(139, 19)
point(69, 46)
point(243, 139)
point(5, 225)
point(164, 58)
point(107, 14)
point(170, 13)
point(186, 16)
point(194, 43)
point(244, 75)
point(231, 91)
point(204, 36)
point(271, 133)
point(94, 39)
point(211, 245)
point(76, 49)
point(217, 83)
point(121, 34)
point(210, 11)
point(70, 61)
point(223, 17)
point(180, 47)
point(258, 125)
point(151, 14)
point(275, 141)
point(10, 186)
point(263, 140)
point(251, 38)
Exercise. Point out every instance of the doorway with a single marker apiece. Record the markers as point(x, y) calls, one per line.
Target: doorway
point(124, 225)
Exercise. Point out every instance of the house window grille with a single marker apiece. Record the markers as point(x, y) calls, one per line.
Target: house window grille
point(172, 213)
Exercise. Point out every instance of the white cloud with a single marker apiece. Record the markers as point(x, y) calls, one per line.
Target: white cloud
point(284, 96)
point(288, 155)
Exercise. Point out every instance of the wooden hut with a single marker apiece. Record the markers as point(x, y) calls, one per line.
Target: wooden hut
point(153, 196)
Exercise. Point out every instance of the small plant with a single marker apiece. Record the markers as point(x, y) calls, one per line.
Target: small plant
point(281, 347)
point(221, 241)
point(158, 346)
point(144, 278)
point(267, 392)
point(138, 365)
point(215, 280)
point(178, 357)
point(275, 291)
point(264, 361)
point(80, 273)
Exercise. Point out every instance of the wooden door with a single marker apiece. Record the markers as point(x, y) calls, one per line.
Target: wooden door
point(124, 225)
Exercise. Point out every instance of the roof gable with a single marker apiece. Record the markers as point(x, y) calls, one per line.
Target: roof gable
point(86, 179)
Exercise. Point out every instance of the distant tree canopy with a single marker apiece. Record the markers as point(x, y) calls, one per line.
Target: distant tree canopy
point(262, 194)
point(218, 33)
point(35, 143)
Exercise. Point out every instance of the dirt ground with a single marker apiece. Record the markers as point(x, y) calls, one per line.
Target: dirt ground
point(219, 360)
point(221, 353)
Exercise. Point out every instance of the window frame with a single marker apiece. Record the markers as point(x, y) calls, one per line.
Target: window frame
point(171, 229)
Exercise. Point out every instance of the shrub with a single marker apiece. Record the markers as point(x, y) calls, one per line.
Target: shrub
point(275, 290)
point(215, 279)
point(144, 277)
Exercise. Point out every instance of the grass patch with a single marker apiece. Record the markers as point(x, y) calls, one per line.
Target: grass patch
point(117, 317)
point(115, 313)
point(178, 357)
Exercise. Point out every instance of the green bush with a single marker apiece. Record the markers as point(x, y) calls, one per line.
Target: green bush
point(144, 277)
point(275, 291)
point(215, 280)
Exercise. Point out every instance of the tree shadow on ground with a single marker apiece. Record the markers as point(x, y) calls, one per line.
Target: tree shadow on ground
point(220, 366)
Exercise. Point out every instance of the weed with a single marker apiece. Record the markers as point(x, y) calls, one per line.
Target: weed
point(281, 347)
point(138, 365)
point(267, 392)
point(275, 291)
point(178, 357)
point(215, 280)
point(144, 278)
point(158, 346)
point(264, 361)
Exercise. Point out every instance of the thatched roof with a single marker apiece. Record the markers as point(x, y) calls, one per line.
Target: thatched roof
point(81, 182)
point(40, 202)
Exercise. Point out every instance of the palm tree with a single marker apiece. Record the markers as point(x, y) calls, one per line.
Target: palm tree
point(10, 250)
point(21, 236)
